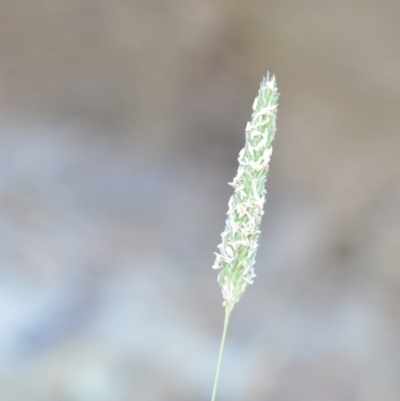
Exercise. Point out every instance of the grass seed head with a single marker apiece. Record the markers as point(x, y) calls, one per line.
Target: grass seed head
point(237, 251)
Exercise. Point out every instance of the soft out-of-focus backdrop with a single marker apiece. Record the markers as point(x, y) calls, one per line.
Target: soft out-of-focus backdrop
point(120, 125)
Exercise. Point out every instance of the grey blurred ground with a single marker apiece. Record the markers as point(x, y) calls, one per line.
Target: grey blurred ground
point(120, 126)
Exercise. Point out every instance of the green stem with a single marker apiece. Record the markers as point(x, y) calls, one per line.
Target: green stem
point(221, 351)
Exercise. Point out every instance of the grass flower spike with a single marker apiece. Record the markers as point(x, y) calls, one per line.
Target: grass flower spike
point(240, 238)
point(236, 257)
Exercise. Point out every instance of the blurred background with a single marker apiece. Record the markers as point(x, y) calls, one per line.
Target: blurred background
point(120, 126)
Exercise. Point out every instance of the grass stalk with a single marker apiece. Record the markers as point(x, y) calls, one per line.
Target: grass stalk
point(221, 351)
point(237, 251)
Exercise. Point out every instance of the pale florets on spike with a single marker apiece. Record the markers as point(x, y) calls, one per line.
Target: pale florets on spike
point(236, 257)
